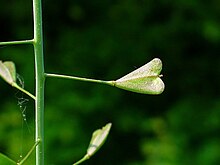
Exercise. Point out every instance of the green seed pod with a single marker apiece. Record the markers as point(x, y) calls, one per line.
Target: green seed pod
point(145, 79)
point(98, 138)
point(8, 72)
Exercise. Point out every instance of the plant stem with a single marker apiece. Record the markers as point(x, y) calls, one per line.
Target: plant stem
point(29, 153)
point(24, 91)
point(40, 79)
point(17, 42)
point(80, 79)
point(86, 157)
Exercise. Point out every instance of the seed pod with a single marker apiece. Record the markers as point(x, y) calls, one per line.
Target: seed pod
point(8, 71)
point(145, 79)
point(98, 138)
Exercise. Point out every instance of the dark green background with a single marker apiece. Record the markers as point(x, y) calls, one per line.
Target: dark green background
point(106, 39)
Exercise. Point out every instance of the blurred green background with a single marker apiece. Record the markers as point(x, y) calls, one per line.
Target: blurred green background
point(106, 40)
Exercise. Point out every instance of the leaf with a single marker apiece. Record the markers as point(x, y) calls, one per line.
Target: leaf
point(4, 160)
point(98, 138)
point(145, 79)
point(8, 71)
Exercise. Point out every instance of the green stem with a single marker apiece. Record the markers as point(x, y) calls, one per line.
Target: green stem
point(86, 157)
point(17, 42)
point(80, 79)
point(40, 79)
point(24, 91)
point(29, 153)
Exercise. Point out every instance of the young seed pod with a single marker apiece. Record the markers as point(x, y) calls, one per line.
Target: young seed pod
point(145, 79)
point(8, 72)
point(98, 138)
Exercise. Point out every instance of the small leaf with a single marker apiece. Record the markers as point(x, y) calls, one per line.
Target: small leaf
point(8, 72)
point(98, 139)
point(145, 79)
point(4, 160)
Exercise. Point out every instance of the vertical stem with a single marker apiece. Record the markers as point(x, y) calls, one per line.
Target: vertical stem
point(39, 76)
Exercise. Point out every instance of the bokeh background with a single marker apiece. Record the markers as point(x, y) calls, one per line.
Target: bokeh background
point(106, 40)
